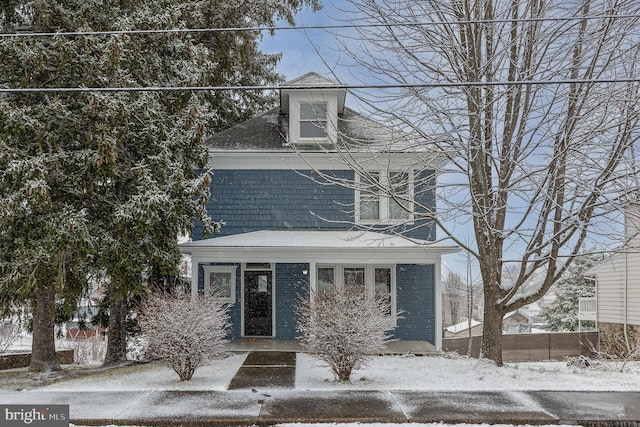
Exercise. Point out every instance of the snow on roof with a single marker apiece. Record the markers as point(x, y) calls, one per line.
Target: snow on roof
point(318, 246)
point(463, 326)
point(314, 239)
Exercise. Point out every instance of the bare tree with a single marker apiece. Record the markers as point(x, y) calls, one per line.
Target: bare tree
point(344, 328)
point(535, 106)
point(184, 332)
point(455, 297)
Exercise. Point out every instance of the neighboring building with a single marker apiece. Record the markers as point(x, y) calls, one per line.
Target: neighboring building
point(517, 322)
point(461, 330)
point(288, 226)
point(616, 306)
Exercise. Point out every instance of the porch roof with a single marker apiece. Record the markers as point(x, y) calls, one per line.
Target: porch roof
point(334, 246)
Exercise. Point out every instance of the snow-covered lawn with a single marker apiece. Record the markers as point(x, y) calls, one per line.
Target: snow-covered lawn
point(383, 373)
point(439, 373)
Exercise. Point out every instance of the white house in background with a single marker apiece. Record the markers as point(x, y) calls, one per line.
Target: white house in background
point(461, 330)
point(616, 306)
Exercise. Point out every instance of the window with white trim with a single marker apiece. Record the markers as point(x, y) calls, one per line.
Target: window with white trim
point(353, 279)
point(384, 197)
point(313, 120)
point(374, 280)
point(325, 279)
point(221, 280)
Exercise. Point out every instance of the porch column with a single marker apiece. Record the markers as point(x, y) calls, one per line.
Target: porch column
point(438, 304)
point(312, 276)
point(195, 263)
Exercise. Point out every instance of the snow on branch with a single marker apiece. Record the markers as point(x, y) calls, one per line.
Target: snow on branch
point(184, 332)
point(344, 328)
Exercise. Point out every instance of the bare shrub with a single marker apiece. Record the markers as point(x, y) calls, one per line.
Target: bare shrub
point(344, 328)
point(9, 333)
point(618, 348)
point(182, 331)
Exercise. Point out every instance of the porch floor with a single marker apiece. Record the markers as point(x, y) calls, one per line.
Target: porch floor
point(394, 347)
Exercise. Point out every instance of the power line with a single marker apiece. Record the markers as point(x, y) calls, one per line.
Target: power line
point(310, 27)
point(317, 87)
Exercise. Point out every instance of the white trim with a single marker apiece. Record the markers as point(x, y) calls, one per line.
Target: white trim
point(313, 277)
point(328, 247)
point(231, 269)
point(437, 288)
point(324, 256)
point(313, 97)
point(318, 160)
point(195, 276)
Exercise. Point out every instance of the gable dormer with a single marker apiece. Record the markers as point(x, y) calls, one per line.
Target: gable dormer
point(312, 105)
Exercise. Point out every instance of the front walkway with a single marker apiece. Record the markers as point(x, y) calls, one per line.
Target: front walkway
point(266, 369)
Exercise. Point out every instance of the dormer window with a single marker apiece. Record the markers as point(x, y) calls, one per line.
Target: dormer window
point(312, 113)
point(313, 120)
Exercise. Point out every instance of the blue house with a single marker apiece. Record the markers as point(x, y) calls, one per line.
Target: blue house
point(301, 191)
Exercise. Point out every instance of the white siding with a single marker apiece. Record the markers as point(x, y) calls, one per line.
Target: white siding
point(610, 288)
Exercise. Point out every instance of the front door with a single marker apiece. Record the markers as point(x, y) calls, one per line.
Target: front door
point(258, 303)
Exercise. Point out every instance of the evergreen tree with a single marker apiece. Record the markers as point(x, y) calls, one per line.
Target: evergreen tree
point(112, 178)
point(562, 314)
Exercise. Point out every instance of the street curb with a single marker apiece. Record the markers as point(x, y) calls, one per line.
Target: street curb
point(269, 421)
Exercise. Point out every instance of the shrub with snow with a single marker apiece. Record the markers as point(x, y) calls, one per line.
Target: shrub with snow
point(184, 332)
point(344, 328)
point(9, 333)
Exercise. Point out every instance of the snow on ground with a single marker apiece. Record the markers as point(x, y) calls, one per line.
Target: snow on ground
point(383, 373)
point(153, 376)
point(439, 373)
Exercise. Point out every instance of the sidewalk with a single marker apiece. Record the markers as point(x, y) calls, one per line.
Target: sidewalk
point(272, 406)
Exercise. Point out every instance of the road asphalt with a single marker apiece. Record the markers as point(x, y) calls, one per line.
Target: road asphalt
point(263, 394)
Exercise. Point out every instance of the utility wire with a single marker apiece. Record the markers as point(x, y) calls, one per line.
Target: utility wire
point(311, 87)
point(310, 27)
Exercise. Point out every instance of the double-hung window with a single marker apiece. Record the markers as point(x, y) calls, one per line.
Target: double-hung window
point(313, 120)
point(400, 197)
point(384, 197)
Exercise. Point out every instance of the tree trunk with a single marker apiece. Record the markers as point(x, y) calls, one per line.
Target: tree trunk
point(492, 334)
point(43, 348)
point(117, 334)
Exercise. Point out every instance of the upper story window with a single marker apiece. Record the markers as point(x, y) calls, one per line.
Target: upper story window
point(384, 197)
point(313, 120)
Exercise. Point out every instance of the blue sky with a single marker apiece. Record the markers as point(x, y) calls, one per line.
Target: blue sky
point(299, 54)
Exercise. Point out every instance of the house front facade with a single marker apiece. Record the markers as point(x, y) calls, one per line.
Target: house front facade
point(313, 195)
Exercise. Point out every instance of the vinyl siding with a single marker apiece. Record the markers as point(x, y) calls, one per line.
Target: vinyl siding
point(610, 289)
